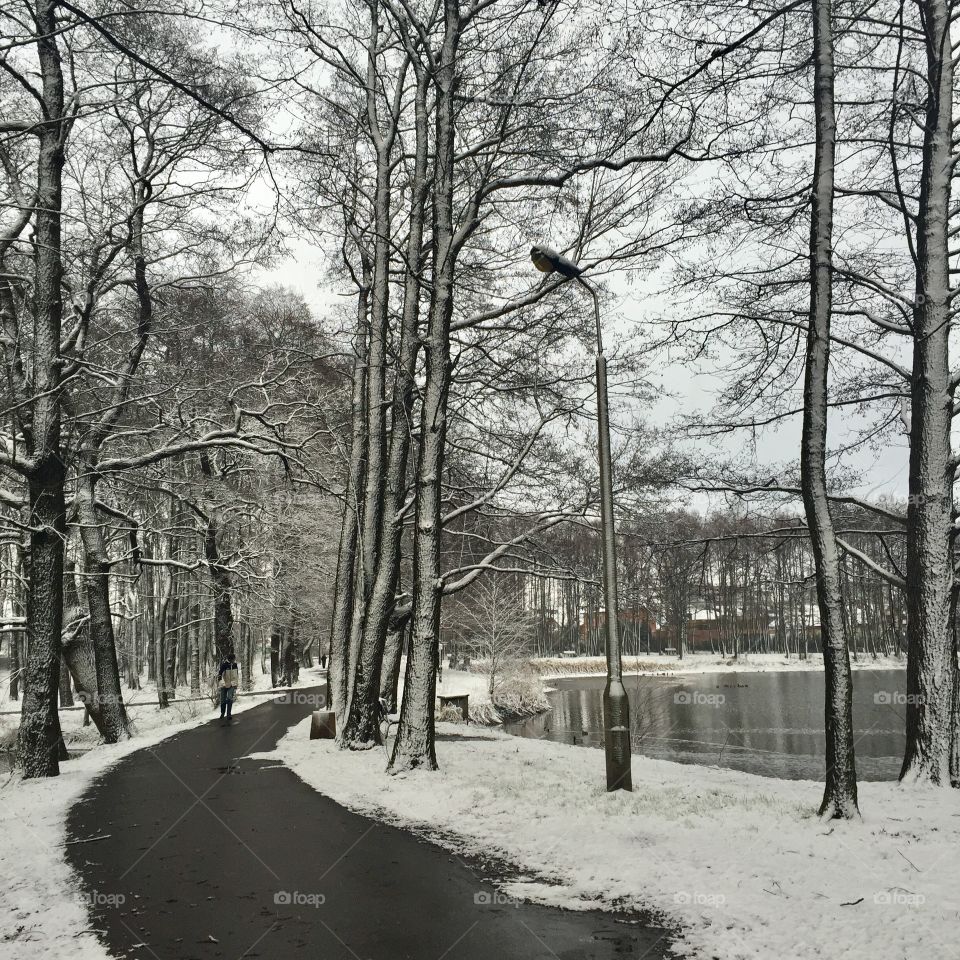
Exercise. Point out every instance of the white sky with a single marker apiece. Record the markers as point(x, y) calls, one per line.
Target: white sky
point(681, 387)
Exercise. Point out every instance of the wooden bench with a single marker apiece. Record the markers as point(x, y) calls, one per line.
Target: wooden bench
point(459, 700)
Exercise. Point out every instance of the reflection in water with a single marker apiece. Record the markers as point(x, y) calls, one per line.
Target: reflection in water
point(765, 723)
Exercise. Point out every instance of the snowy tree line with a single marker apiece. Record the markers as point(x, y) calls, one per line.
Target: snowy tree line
point(725, 582)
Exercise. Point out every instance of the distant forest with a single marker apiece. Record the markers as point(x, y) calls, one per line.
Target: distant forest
point(721, 583)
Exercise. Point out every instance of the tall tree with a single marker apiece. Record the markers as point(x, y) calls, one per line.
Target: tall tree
point(41, 388)
point(840, 787)
point(931, 654)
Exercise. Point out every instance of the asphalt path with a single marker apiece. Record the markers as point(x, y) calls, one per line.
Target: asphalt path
point(209, 855)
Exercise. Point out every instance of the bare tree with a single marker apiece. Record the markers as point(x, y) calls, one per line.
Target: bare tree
point(840, 789)
point(34, 450)
point(493, 625)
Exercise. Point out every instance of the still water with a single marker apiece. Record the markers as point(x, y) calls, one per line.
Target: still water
point(765, 723)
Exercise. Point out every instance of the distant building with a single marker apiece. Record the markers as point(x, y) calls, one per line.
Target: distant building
point(706, 632)
point(632, 619)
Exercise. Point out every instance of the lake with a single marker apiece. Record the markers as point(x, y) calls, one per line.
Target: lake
point(765, 723)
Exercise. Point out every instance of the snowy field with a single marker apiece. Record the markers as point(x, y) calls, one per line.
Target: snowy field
point(703, 663)
point(740, 864)
point(42, 911)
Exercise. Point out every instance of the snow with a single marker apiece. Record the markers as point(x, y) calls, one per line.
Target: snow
point(740, 864)
point(459, 682)
point(655, 665)
point(42, 910)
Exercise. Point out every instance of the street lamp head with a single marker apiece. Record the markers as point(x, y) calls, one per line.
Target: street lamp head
point(542, 259)
point(549, 261)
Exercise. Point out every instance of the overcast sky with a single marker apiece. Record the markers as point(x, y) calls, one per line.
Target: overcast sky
point(681, 388)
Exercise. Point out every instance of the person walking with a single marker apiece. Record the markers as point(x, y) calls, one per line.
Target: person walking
point(229, 679)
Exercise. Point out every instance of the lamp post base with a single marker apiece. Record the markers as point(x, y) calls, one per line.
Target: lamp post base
point(616, 733)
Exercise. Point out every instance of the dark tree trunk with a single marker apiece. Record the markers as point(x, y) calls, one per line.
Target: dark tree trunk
point(390, 676)
point(415, 745)
point(40, 743)
point(220, 581)
point(246, 678)
point(362, 728)
point(160, 639)
point(15, 664)
point(40, 736)
point(193, 635)
point(840, 788)
point(149, 615)
point(78, 650)
point(66, 691)
point(341, 659)
point(931, 664)
point(275, 638)
point(97, 579)
point(173, 642)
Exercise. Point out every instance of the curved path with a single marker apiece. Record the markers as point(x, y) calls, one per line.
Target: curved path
point(214, 856)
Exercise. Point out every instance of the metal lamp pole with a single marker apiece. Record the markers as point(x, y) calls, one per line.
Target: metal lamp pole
point(616, 706)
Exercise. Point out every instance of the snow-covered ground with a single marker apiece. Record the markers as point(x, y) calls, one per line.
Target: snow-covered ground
point(702, 663)
point(42, 911)
point(741, 864)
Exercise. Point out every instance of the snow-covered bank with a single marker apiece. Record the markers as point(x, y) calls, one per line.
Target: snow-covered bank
point(703, 663)
point(42, 911)
point(740, 863)
point(518, 695)
point(457, 683)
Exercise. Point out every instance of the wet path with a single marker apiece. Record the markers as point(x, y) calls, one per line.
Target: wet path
point(211, 856)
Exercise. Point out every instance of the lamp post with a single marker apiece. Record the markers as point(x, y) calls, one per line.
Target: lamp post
point(616, 706)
